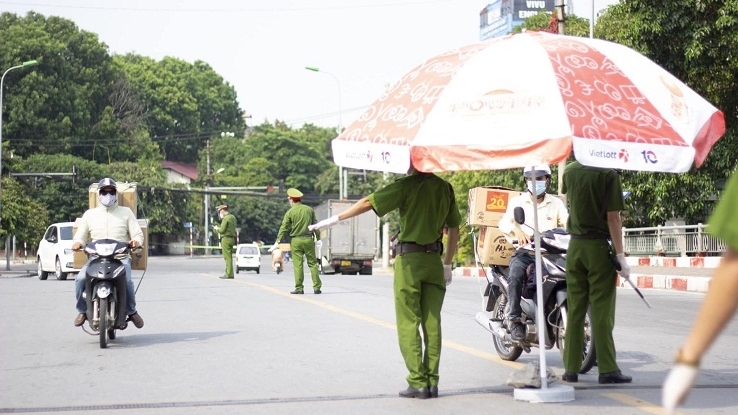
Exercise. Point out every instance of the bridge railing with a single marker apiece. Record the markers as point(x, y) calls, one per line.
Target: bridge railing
point(674, 240)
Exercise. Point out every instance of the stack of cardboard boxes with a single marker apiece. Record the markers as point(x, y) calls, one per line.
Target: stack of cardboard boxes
point(128, 197)
point(486, 207)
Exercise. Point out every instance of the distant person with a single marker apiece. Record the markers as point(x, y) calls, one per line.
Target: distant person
point(227, 234)
point(552, 213)
point(595, 198)
point(277, 260)
point(427, 205)
point(295, 223)
point(718, 307)
point(108, 221)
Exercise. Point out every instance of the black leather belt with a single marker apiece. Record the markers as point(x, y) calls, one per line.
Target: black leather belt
point(411, 247)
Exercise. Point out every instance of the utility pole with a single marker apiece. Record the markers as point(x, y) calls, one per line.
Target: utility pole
point(207, 198)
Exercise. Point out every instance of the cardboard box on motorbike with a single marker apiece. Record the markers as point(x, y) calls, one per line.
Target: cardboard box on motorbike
point(138, 259)
point(493, 247)
point(488, 204)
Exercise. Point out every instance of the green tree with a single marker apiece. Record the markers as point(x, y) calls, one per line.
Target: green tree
point(546, 21)
point(22, 216)
point(696, 42)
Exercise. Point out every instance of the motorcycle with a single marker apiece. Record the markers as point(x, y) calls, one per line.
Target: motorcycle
point(277, 267)
point(105, 288)
point(554, 244)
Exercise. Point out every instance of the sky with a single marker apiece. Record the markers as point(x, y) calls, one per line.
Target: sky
point(262, 47)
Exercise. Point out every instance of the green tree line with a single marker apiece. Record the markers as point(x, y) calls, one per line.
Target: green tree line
point(121, 116)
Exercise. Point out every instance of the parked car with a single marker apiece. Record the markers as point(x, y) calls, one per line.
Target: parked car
point(55, 252)
point(248, 258)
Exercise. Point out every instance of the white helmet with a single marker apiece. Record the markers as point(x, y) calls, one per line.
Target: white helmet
point(536, 171)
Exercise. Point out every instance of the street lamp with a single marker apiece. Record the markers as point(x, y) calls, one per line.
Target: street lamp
point(342, 187)
point(207, 205)
point(2, 80)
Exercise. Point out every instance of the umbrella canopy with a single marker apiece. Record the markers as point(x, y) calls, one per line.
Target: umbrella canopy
point(531, 98)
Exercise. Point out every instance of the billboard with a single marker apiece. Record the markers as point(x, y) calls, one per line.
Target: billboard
point(495, 20)
point(523, 9)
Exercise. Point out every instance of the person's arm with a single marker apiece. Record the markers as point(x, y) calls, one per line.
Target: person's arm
point(82, 235)
point(135, 231)
point(363, 205)
point(718, 307)
point(615, 226)
point(452, 242)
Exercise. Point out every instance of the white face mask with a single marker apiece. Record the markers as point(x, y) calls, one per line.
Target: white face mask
point(539, 189)
point(220, 215)
point(108, 200)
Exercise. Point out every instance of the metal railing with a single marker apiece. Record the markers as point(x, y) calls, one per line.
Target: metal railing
point(676, 240)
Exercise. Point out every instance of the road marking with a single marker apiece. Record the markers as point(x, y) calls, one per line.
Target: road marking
point(446, 343)
point(637, 403)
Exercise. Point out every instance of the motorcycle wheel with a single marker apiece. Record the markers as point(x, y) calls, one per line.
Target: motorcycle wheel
point(589, 355)
point(111, 334)
point(103, 327)
point(505, 349)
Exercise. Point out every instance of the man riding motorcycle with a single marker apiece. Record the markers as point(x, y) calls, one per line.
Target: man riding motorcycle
point(552, 213)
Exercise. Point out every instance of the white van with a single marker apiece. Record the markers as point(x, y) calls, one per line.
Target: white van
point(55, 252)
point(248, 258)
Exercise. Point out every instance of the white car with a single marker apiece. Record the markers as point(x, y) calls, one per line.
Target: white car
point(55, 252)
point(248, 258)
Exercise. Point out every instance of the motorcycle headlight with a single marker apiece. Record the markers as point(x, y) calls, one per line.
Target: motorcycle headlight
point(105, 249)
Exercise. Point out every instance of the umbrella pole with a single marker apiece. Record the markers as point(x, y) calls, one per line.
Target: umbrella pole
point(556, 393)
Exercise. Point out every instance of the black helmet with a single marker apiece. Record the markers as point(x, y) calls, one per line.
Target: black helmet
point(106, 182)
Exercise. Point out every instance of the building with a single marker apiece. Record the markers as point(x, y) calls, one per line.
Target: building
point(179, 172)
point(501, 16)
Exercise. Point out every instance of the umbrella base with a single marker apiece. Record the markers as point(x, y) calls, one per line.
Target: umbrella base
point(555, 393)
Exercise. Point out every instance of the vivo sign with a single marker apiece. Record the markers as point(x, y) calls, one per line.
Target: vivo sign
point(523, 9)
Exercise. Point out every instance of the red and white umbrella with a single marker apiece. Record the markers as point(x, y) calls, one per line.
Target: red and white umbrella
point(531, 98)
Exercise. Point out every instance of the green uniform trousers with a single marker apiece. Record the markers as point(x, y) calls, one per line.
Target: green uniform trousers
point(302, 246)
point(590, 279)
point(419, 289)
point(226, 245)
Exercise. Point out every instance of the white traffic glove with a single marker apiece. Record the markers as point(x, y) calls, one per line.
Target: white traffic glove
point(318, 244)
point(325, 223)
point(447, 274)
point(677, 386)
point(624, 267)
point(273, 247)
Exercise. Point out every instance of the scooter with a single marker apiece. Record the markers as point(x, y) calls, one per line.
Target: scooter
point(554, 244)
point(105, 288)
point(277, 267)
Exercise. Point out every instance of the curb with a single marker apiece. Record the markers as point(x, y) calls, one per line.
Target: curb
point(642, 281)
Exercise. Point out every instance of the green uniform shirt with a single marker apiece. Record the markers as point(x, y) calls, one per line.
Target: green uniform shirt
point(722, 222)
point(420, 221)
point(585, 189)
point(227, 226)
point(296, 222)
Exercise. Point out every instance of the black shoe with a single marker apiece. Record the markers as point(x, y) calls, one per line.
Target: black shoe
point(570, 377)
point(517, 331)
point(297, 292)
point(433, 389)
point(615, 377)
point(411, 392)
point(225, 277)
point(137, 320)
point(317, 291)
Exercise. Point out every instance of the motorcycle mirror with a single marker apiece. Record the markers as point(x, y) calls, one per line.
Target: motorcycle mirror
point(519, 215)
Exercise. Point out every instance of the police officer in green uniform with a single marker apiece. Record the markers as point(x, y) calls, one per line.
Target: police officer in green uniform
point(227, 233)
point(427, 205)
point(595, 198)
point(296, 222)
point(719, 305)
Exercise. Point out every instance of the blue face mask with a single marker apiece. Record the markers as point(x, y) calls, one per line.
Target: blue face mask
point(539, 189)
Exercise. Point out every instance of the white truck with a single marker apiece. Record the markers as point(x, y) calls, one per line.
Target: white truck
point(350, 246)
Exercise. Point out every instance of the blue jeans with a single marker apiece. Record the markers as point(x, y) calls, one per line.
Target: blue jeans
point(519, 263)
point(79, 286)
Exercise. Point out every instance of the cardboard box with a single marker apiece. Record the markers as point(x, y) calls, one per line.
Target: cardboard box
point(127, 196)
point(493, 247)
point(139, 260)
point(488, 204)
point(285, 247)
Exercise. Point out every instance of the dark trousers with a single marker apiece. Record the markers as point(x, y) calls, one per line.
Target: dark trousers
point(519, 263)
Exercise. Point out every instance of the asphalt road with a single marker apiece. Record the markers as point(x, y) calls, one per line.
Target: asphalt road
point(248, 346)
